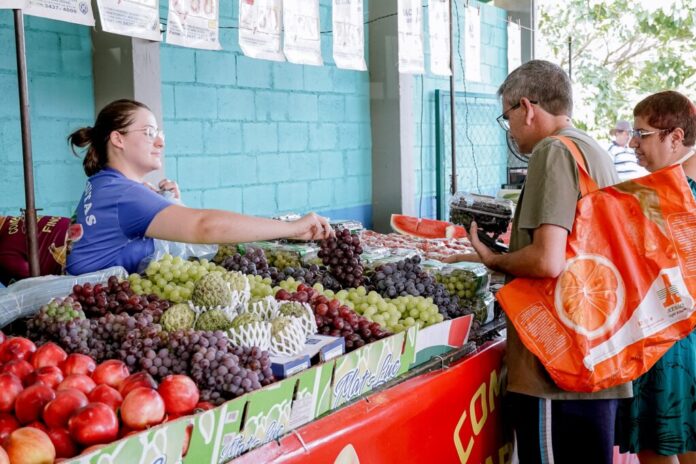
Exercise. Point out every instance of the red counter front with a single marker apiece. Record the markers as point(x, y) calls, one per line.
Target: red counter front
point(450, 415)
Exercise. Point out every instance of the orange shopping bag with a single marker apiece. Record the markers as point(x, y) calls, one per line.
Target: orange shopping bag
point(627, 292)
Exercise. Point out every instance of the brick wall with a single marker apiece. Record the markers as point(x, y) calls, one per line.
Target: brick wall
point(59, 61)
point(491, 156)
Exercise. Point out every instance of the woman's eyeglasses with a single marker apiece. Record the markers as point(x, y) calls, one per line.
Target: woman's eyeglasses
point(641, 134)
point(150, 132)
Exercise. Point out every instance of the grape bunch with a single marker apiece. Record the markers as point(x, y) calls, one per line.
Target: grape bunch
point(309, 274)
point(171, 278)
point(65, 309)
point(280, 259)
point(252, 262)
point(114, 297)
point(335, 319)
point(406, 277)
point(342, 256)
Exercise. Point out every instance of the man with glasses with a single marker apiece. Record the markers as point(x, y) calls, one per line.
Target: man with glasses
point(624, 157)
point(551, 425)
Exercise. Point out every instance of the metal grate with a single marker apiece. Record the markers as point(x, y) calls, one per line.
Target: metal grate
point(482, 154)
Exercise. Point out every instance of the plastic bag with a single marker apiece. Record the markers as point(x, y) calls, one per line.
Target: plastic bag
point(627, 292)
point(24, 298)
point(183, 250)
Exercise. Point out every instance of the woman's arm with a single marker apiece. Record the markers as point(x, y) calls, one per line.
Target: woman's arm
point(182, 224)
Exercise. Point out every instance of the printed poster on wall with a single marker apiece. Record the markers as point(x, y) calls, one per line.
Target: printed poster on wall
point(260, 26)
point(194, 24)
point(439, 28)
point(301, 36)
point(72, 11)
point(135, 19)
point(13, 4)
point(514, 46)
point(348, 35)
point(472, 44)
point(410, 25)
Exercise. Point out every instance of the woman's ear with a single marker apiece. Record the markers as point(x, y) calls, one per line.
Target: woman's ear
point(116, 139)
point(677, 136)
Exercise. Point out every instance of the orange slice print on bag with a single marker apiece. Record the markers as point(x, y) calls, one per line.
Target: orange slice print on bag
point(589, 295)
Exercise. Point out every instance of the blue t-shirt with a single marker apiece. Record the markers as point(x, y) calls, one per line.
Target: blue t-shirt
point(114, 213)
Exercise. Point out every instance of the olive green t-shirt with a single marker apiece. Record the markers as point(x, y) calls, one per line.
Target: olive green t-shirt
point(550, 196)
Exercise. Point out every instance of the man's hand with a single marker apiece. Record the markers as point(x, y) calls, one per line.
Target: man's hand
point(312, 227)
point(487, 256)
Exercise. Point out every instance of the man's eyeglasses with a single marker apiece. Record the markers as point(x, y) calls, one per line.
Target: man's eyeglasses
point(150, 132)
point(503, 120)
point(641, 134)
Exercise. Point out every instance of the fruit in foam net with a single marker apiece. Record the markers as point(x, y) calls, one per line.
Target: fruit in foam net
point(245, 319)
point(293, 308)
point(211, 291)
point(213, 319)
point(178, 317)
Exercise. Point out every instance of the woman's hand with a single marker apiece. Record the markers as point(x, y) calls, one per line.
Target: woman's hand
point(312, 227)
point(171, 186)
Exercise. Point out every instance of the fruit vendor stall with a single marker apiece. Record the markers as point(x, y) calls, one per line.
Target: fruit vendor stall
point(206, 360)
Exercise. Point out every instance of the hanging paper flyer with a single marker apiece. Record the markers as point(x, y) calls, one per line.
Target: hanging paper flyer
point(194, 23)
point(514, 46)
point(439, 28)
point(13, 4)
point(348, 35)
point(302, 39)
point(132, 18)
point(473, 44)
point(72, 11)
point(411, 60)
point(260, 25)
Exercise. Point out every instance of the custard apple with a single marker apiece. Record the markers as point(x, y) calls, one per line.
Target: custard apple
point(214, 319)
point(244, 319)
point(211, 291)
point(178, 317)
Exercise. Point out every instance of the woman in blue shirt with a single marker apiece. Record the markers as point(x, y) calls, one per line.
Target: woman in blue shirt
point(659, 422)
point(119, 216)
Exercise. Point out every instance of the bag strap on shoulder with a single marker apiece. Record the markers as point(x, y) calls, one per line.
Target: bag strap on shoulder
point(587, 183)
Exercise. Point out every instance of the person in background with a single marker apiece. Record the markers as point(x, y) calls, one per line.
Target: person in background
point(624, 157)
point(119, 216)
point(551, 425)
point(659, 422)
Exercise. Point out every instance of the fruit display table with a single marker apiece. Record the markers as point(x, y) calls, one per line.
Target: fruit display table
point(452, 414)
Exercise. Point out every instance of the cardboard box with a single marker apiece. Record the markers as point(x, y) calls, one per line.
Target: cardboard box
point(440, 338)
point(313, 394)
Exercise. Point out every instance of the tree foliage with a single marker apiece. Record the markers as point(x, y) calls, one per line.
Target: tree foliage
point(621, 51)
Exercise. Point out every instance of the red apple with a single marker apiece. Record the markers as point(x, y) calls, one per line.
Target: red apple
point(203, 406)
point(180, 394)
point(58, 411)
point(38, 425)
point(20, 368)
point(10, 387)
point(48, 354)
point(29, 445)
point(4, 458)
point(65, 446)
point(111, 373)
point(107, 395)
point(8, 424)
point(77, 363)
point(133, 381)
point(16, 348)
point(94, 424)
point(31, 401)
point(81, 382)
point(141, 408)
point(49, 375)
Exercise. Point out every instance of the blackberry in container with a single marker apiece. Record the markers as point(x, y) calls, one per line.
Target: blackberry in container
point(492, 215)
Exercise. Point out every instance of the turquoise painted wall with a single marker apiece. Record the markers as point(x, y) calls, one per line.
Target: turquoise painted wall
point(488, 139)
point(242, 134)
point(59, 61)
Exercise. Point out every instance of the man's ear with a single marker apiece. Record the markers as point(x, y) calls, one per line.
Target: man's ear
point(116, 139)
point(528, 109)
point(678, 135)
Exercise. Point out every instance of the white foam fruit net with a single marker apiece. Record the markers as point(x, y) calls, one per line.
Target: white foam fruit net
point(289, 340)
point(251, 334)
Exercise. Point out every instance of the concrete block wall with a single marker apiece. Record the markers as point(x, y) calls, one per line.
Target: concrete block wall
point(262, 137)
point(247, 135)
point(59, 61)
point(491, 161)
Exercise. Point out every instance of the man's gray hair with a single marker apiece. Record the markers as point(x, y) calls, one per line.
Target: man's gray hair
point(540, 81)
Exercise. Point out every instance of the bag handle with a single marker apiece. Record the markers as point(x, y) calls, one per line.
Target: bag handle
point(587, 184)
